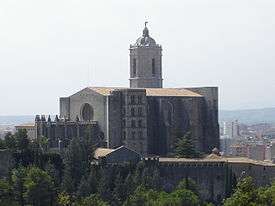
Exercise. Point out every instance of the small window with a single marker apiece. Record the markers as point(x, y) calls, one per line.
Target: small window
point(134, 67)
point(140, 123)
point(132, 112)
point(133, 123)
point(132, 99)
point(139, 111)
point(139, 99)
point(153, 67)
point(133, 135)
point(124, 135)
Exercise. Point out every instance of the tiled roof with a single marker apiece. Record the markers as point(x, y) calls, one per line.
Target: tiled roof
point(102, 152)
point(175, 92)
point(162, 92)
point(25, 125)
point(104, 90)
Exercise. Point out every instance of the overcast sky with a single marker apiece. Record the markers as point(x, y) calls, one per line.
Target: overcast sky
point(54, 48)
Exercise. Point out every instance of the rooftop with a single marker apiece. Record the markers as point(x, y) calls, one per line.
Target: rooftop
point(26, 125)
point(216, 159)
point(164, 92)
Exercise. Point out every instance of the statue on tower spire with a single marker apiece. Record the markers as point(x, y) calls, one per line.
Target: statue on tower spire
point(145, 30)
point(146, 23)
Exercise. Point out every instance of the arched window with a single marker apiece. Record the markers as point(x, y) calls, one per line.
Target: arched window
point(124, 135)
point(87, 112)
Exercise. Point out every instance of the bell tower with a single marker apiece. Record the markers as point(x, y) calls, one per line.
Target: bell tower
point(145, 62)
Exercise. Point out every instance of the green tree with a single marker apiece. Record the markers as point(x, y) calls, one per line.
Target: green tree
point(92, 200)
point(119, 192)
point(18, 178)
point(43, 143)
point(10, 141)
point(77, 160)
point(64, 199)
point(3, 144)
point(39, 187)
point(185, 197)
point(104, 186)
point(53, 172)
point(22, 141)
point(185, 147)
point(84, 189)
point(246, 194)
point(6, 194)
point(188, 184)
point(73, 170)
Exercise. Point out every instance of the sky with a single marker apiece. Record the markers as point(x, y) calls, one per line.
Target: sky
point(54, 48)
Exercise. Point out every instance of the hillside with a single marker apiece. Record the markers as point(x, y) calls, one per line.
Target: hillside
point(251, 116)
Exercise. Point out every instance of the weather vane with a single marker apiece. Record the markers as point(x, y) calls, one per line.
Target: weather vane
point(146, 23)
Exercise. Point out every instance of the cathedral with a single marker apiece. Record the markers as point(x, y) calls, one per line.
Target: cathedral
point(144, 117)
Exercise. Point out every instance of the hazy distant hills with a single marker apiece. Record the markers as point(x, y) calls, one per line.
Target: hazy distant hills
point(252, 116)
point(15, 120)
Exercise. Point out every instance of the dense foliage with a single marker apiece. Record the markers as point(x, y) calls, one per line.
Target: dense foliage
point(185, 147)
point(42, 178)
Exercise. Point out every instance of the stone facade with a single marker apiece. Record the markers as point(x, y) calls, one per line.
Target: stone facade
point(145, 62)
point(145, 117)
point(148, 120)
point(61, 131)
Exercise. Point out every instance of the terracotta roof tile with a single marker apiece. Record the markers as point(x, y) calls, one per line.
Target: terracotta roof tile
point(163, 92)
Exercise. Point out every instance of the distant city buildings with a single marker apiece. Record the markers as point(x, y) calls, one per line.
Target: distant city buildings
point(231, 129)
point(251, 141)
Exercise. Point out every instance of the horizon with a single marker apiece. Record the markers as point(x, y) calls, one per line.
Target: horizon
point(72, 45)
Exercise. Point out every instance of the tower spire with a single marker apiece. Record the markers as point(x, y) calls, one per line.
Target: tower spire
point(145, 30)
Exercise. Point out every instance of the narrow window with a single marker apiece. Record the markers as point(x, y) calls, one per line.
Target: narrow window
point(140, 123)
point(153, 67)
point(139, 99)
point(132, 99)
point(132, 112)
point(133, 123)
point(139, 111)
point(124, 135)
point(134, 67)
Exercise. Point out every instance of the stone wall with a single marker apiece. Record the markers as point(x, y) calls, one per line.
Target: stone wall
point(211, 122)
point(172, 117)
point(60, 132)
